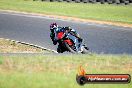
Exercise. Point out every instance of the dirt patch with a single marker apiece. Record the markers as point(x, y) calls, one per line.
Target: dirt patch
point(74, 18)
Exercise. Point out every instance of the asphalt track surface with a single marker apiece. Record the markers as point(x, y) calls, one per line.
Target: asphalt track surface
point(100, 38)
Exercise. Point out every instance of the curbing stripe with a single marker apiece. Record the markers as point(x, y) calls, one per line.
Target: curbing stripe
point(36, 46)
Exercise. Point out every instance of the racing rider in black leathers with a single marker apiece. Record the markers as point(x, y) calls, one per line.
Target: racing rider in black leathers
point(54, 28)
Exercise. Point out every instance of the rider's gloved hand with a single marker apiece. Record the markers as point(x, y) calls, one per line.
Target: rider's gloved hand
point(54, 42)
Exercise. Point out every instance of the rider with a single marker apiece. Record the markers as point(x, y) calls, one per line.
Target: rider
point(54, 28)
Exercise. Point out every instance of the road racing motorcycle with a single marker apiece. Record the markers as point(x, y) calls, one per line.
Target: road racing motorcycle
point(65, 43)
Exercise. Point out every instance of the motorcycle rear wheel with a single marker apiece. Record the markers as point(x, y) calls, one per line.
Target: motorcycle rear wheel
point(85, 50)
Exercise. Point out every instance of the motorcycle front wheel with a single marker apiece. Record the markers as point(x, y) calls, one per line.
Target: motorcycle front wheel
point(69, 48)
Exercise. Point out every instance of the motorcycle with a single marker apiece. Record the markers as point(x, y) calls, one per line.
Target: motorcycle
point(65, 43)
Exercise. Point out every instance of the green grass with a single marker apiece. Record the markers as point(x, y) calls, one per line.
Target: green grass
point(7, 46)
point(59, 71)
point(118, 13)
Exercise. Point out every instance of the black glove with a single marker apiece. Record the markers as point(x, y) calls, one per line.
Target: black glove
point(54, 42)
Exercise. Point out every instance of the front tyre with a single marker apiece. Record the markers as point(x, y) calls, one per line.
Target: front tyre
point(69, 48)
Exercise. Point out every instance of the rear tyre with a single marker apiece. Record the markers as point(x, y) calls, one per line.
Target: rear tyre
point(85, 50)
